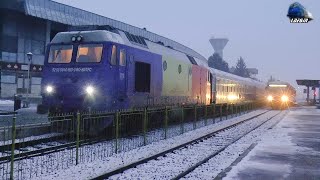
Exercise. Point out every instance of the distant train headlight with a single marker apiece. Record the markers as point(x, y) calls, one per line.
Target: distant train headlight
point(284, 98)
point(270, 98)
point(89, 90)
point(49, 89)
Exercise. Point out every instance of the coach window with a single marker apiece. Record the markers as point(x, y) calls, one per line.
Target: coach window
point(113, 59)
point(122, 57)
point(89, 53)
point(60, 54)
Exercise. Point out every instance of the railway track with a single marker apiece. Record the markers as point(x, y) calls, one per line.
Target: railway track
point(4, 112)
point(42, 147)
point(217, 141)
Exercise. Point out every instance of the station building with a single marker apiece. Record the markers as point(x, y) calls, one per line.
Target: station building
point(28, 25)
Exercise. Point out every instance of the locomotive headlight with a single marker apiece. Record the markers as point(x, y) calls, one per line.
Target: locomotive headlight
point(284, 98)
point(270, 98)
point(49, 89)
point(89, 90)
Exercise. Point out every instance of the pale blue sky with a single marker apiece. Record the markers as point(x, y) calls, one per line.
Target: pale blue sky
point(259, 31)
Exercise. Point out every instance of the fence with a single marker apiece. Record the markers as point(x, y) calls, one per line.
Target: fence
point(65, 140)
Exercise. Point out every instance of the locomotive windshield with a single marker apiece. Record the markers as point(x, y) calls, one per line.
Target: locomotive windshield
point(60, 54)
point(86, 53)
point(89, 53)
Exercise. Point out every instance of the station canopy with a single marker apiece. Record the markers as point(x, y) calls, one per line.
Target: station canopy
point(308, 82)
point(57, 12)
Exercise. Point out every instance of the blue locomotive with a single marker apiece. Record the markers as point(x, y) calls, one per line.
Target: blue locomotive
point(109, 70)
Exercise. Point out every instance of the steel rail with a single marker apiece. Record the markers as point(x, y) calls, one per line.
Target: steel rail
point(143, 161)
point(191, 169)
point(48, 150)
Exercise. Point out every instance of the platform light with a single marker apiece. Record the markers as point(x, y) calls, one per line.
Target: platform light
point(270, 98)
point(90, 90)
point(49, 89)
point(284, 98)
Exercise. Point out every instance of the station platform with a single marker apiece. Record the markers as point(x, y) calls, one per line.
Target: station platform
point(290, 150)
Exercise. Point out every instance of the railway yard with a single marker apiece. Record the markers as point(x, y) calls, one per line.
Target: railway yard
point(208, 148)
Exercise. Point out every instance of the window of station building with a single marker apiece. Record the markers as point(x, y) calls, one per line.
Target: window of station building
point(10, 79)
point(113, 59)
point(60, 54)
point(142, 77)
point(123, 59)
point(9, 43)
point(89, 53)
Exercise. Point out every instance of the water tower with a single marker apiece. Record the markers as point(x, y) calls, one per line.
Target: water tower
point(218, 45)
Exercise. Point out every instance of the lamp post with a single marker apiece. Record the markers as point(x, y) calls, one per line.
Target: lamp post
point(29, 55)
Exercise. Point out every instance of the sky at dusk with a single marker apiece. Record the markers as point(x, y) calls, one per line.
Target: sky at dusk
point(259, 31)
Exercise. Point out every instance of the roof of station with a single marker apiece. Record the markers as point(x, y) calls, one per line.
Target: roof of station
point(308, 82)
point(57, 12)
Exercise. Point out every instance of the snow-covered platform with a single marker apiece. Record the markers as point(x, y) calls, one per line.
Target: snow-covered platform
point(24, 115)
point(290, 150)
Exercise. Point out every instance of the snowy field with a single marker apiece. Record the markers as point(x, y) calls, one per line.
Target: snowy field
point(105, 161)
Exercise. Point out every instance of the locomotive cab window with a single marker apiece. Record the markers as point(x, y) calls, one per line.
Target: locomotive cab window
point(60, 54)
point(113, 59)
point(89, 53)
point(122, 61)
point(142, 77)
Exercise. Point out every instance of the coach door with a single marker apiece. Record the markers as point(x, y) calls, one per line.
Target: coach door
point(122, 82)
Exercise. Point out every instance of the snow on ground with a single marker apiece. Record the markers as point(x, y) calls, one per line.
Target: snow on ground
point(174, 163)
point(31, 138)
point(224, 159)
point(275, 141)
point(24, 115)
point(6, 102)
point(101, 166)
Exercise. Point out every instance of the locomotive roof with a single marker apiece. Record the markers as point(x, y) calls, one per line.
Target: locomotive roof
point(232, 77)
point(121, 38)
